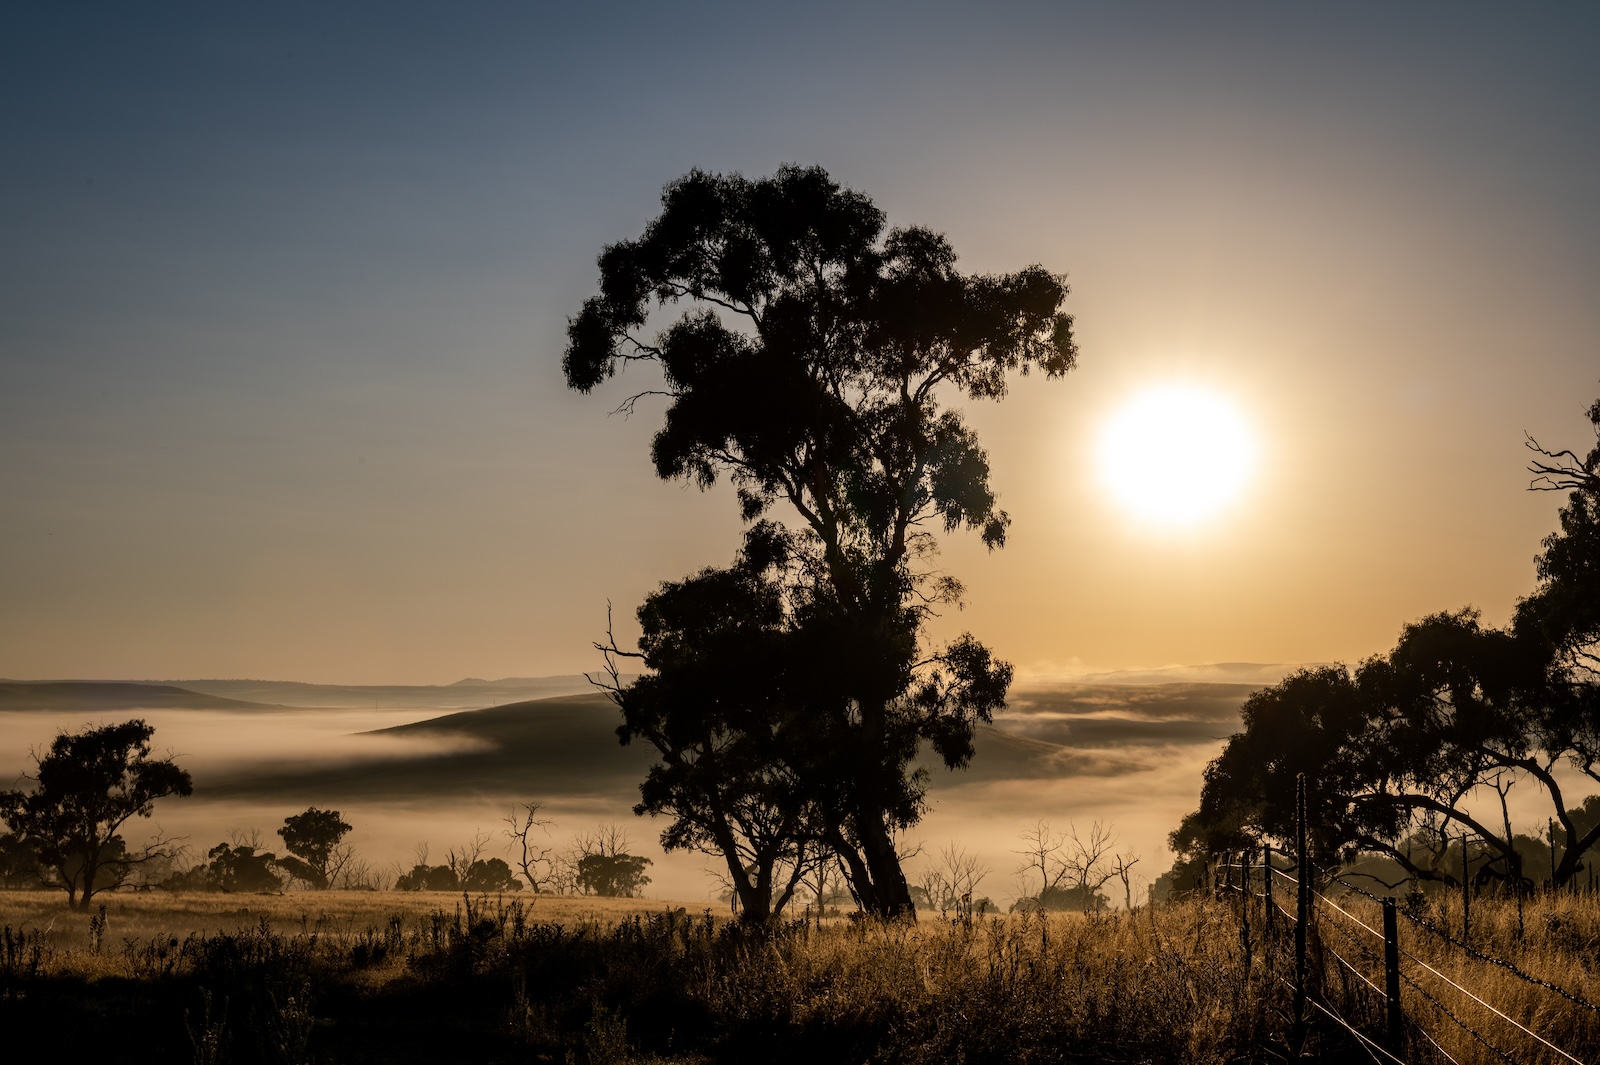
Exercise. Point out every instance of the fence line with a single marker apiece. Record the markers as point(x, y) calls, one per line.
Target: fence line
point(1367, 1043)
point(1463, 1025)
point(1429, 926)
point(1309, 897)
point(1417, 987)
point(1330, 904)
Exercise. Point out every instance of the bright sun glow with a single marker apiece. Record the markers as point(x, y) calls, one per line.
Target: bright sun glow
point(1175, 456)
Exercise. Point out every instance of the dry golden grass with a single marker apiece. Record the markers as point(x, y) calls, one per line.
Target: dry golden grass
point(161, 914)
point(1556, 940)
point(1170, 983)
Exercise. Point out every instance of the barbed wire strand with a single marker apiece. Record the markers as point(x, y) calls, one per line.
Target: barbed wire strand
point(1508, 1019)
point(1429, 926)
point(1313, 1001)
point(1359, 975)
point(1367, 1043)
point(1503, 1016)
point(1356, 973)
point(1577, 999)
point(1353, 918)
point(1370, 953)
point(1463, 1025)
point(1434, 1043)
point(1373, 955)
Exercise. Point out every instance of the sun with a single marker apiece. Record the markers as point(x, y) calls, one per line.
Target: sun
point(1176, 456)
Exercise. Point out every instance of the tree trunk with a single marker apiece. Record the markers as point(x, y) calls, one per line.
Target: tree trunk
point(855, 870)
point(891, 893)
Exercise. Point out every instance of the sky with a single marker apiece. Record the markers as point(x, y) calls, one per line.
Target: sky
point(283, 294)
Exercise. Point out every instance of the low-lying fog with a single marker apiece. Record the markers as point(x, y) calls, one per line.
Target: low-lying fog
point(1126, 750)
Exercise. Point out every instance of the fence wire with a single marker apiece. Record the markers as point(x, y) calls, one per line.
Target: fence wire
point(1372, 1048)
point(1441, 976)
point(1433, 929)
point(1428, 926)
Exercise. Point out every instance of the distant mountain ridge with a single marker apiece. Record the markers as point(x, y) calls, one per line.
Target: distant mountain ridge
point(468, 694)
point(90, 695)
point(223, 694)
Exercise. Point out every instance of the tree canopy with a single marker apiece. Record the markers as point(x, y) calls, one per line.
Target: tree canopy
point(718, 706)
point(88, 785)
point(1394, 749)
point(812, 367)
point(312, 839)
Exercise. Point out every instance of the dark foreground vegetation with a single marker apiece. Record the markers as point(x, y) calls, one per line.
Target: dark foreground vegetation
point(484, 983)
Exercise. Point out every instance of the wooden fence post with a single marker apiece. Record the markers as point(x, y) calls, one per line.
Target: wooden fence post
point(1550, 837)
point(1266, 883)
point(1466, 893)
point(1391, 980)
point(1245, 899)
point(1302, 911)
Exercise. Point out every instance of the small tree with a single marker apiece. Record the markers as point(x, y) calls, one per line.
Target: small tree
point(462, 858)
point(1071, 868)
point(604, 867)
point(723, 722)
point(1090, 859)
point(425, 877)
point(87, 786)
point(612, 875)
point(241, 867)
point(313, 840)
point(952, 880)
point(1122, 866)
point(490, 875)
point(1042, 856)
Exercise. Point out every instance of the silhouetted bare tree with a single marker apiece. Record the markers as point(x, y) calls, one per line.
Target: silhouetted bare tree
point(464, 855)
point(951, 880)
point(535, 861)
point(1043, 855)
point(1122, 866)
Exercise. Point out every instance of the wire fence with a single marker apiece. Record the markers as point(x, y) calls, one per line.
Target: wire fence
point(1419, 1001)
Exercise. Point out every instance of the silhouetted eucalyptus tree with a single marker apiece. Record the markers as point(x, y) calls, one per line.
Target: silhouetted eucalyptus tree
point(1562, 616)
point(811, 369)
point(1398, 745)
point(88, 785)
point(718, 708)
point(312, 839)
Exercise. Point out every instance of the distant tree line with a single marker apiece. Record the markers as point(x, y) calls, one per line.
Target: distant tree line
point(1406, 753)
point(595, 863)
point(66, 833)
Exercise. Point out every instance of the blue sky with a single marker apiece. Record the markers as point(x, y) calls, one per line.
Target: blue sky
point(282, 294)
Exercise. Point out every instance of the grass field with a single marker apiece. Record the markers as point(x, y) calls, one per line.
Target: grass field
point(159, 914)
point(402, 977)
